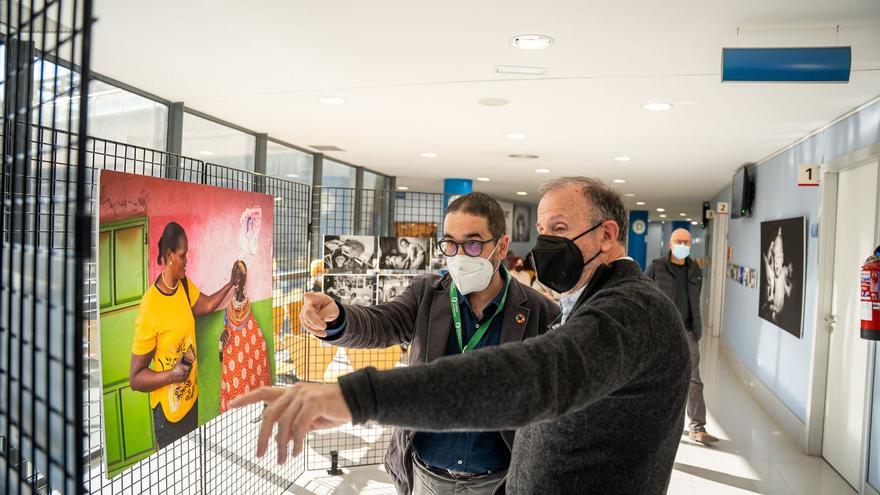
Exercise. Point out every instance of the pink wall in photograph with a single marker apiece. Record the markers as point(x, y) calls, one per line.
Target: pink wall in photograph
point(212, 218)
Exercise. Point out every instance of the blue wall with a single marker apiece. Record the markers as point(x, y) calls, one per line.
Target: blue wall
point(778, 359)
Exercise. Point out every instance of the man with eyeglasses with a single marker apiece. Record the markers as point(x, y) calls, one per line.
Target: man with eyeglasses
point(598, 401)
point(477, 305)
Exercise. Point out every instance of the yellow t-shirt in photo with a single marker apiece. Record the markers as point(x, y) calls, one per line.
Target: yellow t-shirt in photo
point(165, 324)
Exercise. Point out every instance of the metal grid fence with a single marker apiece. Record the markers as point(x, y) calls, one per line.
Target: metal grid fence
point(204, 460)
point(375, 213)
point(44, 242)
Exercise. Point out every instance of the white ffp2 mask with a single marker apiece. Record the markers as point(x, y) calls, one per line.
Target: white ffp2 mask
point(470, 274)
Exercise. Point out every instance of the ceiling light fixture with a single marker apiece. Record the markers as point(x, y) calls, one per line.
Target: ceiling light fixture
point(694, 223)
point(689, 219)
point(622, 158)
point(542, 171)
point(523, 156)
point(402, 188)
point(660, 210)
point(206, 153)
point(522, 193)
point(493, 102)
point(520, 70)
point(619, 181)
point(656, 106)
point(483, 179)
point(662, 215)
point(531, 41)
point(682, 214)
point(429, 154)
point(630, 195)
point(517, 135)
point(293, 176)
point(640, 203)
point(332, 100)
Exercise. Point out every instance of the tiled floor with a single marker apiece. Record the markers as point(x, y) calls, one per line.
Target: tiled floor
point(753, 456)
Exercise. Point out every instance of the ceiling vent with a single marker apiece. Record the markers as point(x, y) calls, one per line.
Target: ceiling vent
point(326, 147)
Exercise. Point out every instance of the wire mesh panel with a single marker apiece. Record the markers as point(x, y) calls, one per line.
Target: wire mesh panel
point(218, 457)
point(366, 236)
point(44, 240)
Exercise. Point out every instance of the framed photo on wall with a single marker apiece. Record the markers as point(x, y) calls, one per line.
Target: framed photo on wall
point(521, 219)
point(783, 246)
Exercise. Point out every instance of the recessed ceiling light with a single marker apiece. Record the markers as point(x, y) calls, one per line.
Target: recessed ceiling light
point(517, 135)
point(662, 215)
point(619, 181)
point(293, 176)
point(493, 102)
point(332, 100)
point(522, 193)
point(682, 214)
point(206, 153)
point(656, 106)
point(661, 210)
point(689, 219)
point(483, 179)
point(542, 171)
point(402, 188)
point(640, 203)
point(630, 195)
point(429, 154)
point(531, 41)
point(523, 156)
point(520, 70)
point(622, 158)
point(694, 223)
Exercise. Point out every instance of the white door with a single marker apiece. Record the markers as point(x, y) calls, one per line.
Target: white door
point(719, 269)
point(848, 354)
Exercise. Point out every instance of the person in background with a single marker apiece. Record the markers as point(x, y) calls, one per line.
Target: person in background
point(681, 279)
point(518, 272)
point(316, 276)
point(598, 401)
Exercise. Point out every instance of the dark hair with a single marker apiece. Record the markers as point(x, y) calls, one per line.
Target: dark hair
point(481, 205)
point(170, 239)
point(606, 202)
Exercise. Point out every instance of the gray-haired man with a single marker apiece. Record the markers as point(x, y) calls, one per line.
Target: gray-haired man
point(618, 363)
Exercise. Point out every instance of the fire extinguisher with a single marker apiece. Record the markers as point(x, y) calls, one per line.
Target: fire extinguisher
point(870, 299)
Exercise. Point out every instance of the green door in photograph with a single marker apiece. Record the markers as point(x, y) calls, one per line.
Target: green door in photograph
point(122, 271)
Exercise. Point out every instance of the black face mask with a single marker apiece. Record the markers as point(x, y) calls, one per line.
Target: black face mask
point(558, 261)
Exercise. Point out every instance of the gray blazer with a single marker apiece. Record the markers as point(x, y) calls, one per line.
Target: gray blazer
point(660, 271)
point(422, 317)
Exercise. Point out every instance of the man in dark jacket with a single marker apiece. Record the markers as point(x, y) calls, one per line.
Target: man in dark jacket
point(492, 308)
point(618, 364)
point(681, 279)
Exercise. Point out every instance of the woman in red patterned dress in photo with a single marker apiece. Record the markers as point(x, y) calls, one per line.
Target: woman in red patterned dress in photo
point(243, 352)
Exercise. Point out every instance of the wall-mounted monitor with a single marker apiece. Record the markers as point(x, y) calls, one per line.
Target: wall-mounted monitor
point(743, 193)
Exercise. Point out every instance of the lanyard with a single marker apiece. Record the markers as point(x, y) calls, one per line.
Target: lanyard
point(481, 330)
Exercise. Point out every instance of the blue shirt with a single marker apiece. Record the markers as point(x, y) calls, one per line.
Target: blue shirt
point(468, 452)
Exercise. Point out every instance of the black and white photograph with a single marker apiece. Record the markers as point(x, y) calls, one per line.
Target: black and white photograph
point(521, 227)
point(782, 273)
point(349, 254)
point(389, 287)
point(350, 289)
point(403, 253)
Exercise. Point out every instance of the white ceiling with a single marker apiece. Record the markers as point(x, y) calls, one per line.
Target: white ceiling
point(411, 73)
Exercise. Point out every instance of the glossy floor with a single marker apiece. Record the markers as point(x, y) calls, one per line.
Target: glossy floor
point(753, 455)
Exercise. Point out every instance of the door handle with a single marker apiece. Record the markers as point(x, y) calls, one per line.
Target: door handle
point(832, 322)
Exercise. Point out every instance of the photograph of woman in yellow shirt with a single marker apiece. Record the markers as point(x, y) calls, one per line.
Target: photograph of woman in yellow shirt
point(165, 337)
